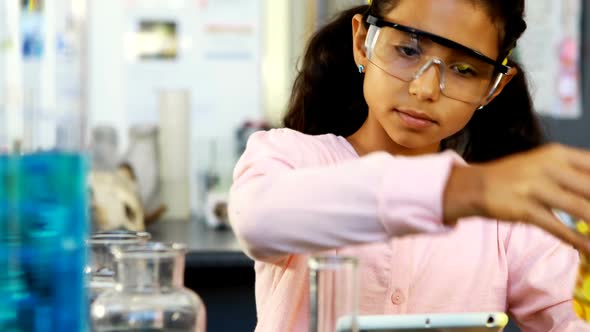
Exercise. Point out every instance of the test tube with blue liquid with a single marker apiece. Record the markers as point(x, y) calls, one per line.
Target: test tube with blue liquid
point(44, 216)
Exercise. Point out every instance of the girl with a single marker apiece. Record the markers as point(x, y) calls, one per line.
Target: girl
point(392, 100)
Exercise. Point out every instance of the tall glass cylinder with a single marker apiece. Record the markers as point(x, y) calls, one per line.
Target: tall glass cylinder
point(43, 196)
point(333, 294)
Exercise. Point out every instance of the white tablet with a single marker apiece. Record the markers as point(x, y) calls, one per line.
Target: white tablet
point(462, 322)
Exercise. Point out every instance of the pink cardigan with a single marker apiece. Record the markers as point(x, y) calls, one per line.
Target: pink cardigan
point(296, 194)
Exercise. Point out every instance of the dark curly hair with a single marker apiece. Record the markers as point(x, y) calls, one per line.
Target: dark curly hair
point(327, 94)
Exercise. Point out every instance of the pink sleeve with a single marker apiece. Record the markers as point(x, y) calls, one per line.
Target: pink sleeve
point(541, 281)
point(281, 203)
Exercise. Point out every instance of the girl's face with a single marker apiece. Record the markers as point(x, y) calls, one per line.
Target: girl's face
point(413, 117)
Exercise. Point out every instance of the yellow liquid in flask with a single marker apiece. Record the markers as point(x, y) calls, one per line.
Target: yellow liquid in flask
point(582, 289)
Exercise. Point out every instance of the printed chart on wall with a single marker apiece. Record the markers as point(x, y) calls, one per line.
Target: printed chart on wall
point(550, 51)
point(208, 48)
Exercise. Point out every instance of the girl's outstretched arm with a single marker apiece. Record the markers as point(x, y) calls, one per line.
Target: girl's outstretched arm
point(284, 201)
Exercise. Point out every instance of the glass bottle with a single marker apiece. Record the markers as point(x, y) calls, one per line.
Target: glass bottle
point(149, 295)
point(101, 269)
point(104, 148)
point(144, 158)
point(43, 166)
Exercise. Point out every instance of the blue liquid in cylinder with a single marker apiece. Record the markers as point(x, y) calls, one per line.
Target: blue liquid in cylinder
point(43, 226)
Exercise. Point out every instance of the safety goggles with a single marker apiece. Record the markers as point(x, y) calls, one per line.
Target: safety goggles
point(406, 53)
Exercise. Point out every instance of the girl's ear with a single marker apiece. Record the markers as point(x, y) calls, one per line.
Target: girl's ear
point(505, 80)
point(359, 34)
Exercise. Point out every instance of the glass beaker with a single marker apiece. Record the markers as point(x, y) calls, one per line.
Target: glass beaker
point(101, 269)
point(44, 216)
point(333, 293)
point(150, 295)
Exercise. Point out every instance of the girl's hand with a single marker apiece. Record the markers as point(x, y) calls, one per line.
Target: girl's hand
point(525, 187)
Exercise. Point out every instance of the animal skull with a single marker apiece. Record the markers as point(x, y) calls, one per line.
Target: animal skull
point(115, 200)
